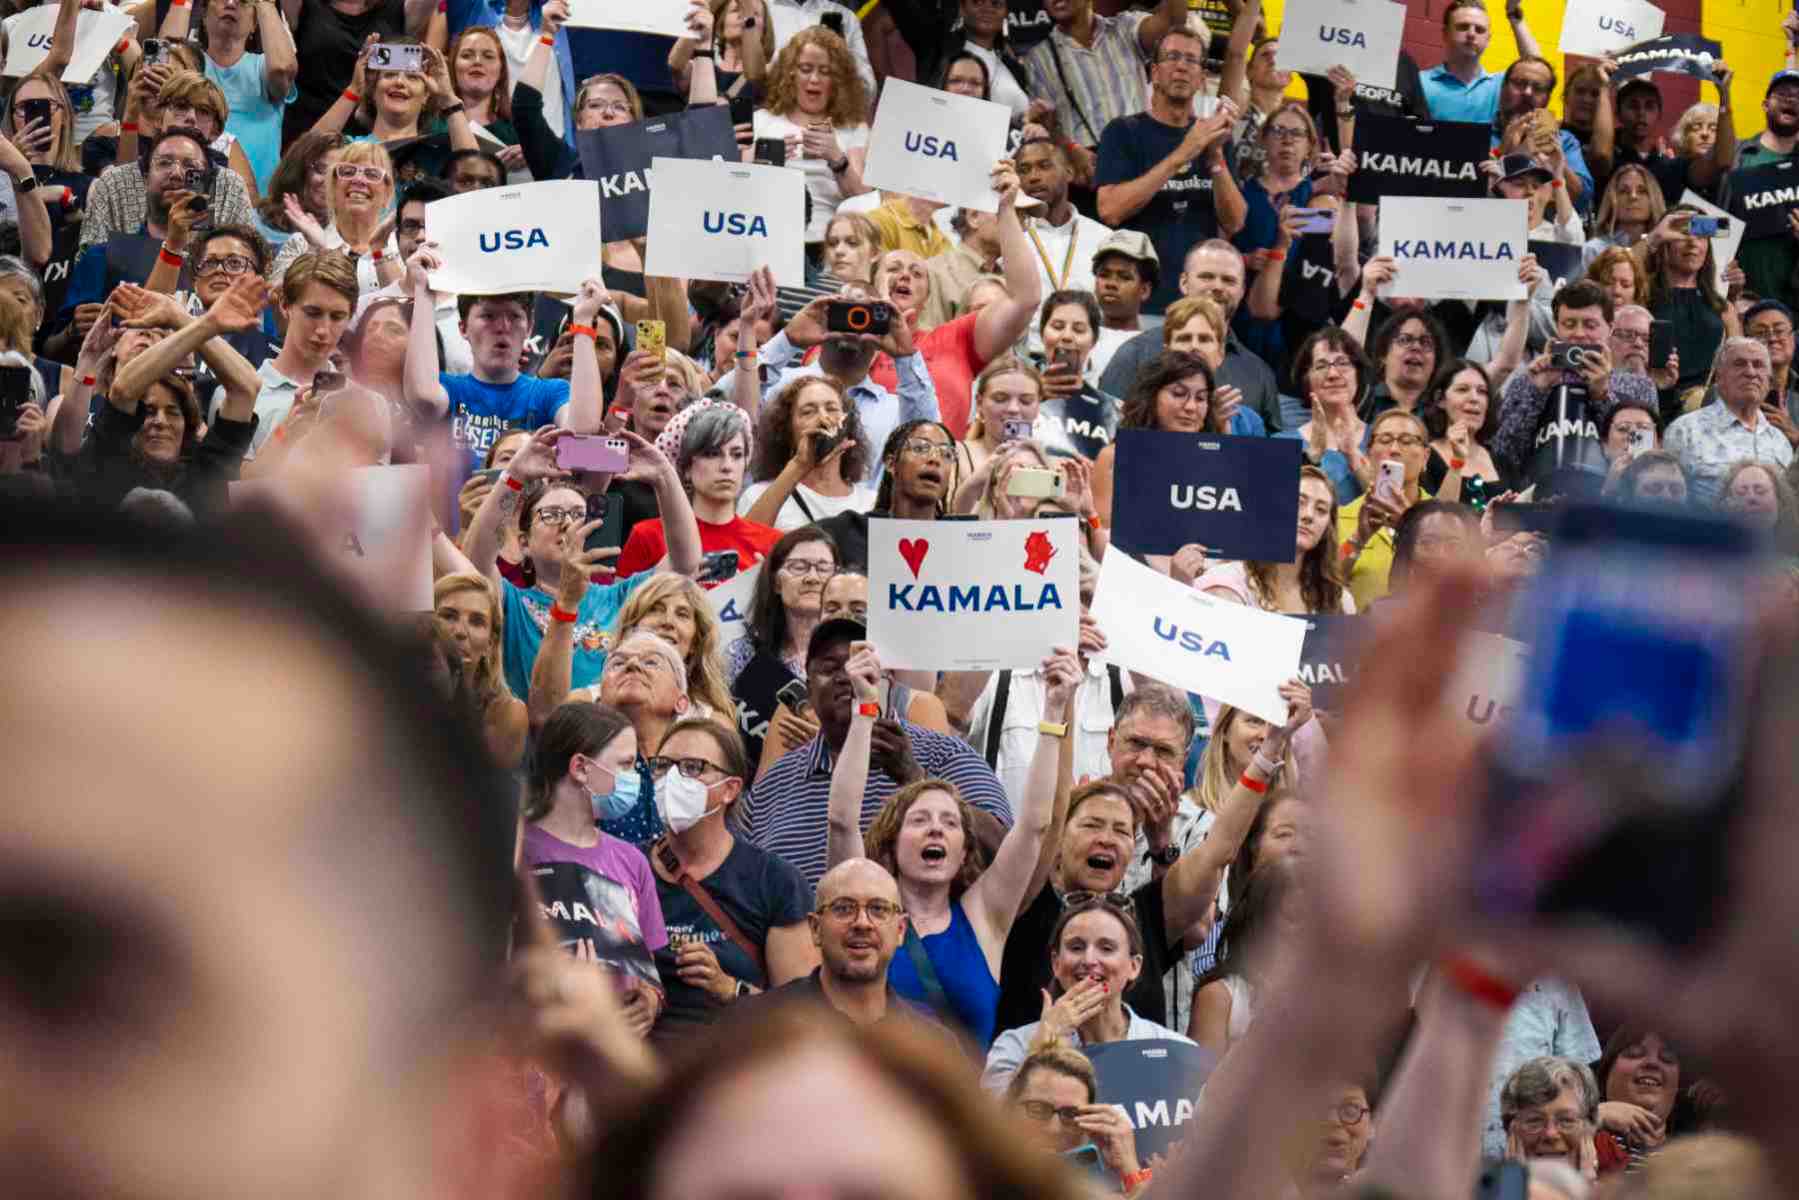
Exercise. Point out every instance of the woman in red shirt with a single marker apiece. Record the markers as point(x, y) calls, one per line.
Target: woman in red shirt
point(710, 445)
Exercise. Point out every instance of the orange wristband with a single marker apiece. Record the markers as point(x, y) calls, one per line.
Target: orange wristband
point(578, 330)
point(1255, 785)
point(1478, 983)
point(1277, 256)
point(868, 708)
point(546, 40)
point(352, 97)
point(557, 613)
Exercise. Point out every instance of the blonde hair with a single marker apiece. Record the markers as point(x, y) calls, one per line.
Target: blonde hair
point(1184, 310)
point(718, 30)
point(704, 669)
point(65, 155)
point(1005, 364)
point(488, 676)
point(368, 154)
point(189, 87)
point(618, 81)
point(1217, 776)
point(849, 95)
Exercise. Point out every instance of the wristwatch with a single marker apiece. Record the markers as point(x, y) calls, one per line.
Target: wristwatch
point(1167, 856)
point(743, 989)
point(1053, 728)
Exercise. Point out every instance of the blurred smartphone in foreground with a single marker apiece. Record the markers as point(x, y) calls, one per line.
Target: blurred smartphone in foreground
point(1503, 1181)
point(1613, 779)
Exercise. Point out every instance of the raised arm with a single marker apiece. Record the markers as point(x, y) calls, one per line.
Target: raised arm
point(176, 25)
point(1264, 297)
point(70, 425)
point(34, 218)
point(696, 76)
point(586, 406)
point(1378, 271)
point(1169, 14)
point(1005, 321)
point(1707, 171)
point(62, 38)
point(442, 95)
point(995, 898)
point(1527, 41)
point(667, 299)
point(679, 527)
point(342, 109)
point(424, 389)
point(536, 461)
point(552, 672)
point(238, 308)
point(281, 61)
point(1191, 885)
point(755, 66)
point(1234, 81)
point(849, 775)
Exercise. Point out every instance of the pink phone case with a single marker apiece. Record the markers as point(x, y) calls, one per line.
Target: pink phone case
point(592, 452)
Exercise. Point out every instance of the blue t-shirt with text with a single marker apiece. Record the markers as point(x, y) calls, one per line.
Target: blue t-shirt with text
point(481, 413)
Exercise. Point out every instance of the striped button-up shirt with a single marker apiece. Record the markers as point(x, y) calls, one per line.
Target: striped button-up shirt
point(785, 811)
point(1105, 82)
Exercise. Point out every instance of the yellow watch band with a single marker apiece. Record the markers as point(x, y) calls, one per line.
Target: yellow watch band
point(1053, 728)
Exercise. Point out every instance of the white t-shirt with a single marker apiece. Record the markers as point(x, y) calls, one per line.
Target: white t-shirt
point(518, 44)
point(819, 181)
point(93, 100)
point(792, 516)
point(1005, 88)
point(1105, 345)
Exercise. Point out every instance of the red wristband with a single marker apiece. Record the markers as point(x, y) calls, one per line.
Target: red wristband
point(374, 254)
point(546, 40)
point(868, 708)
point(1359, 306)
point(558, 614)
point(165, 255)
point(1456, 464)
point(127, 126)
point(1093, 521)
point(1258, 786)
point(1478, 983)
point(89, 381)
point(1136, 1179)
point(512, 483)
point(1556, 182)
point(352, 97)
point(578, 330)
point(1277, 256)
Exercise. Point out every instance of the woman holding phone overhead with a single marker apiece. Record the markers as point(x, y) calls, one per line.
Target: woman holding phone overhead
point(1399, 448)
point(958, 915)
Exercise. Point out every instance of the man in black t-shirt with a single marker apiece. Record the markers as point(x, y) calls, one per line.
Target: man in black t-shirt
point(1163, 172)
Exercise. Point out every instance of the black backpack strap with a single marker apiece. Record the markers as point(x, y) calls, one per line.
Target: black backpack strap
point(996, 717)
point(1062, 75)
point(1116, 678)
point(927, 975)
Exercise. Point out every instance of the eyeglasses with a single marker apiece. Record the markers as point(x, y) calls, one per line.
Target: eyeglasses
point(1629, 429)
point(692, 768)
point(1042, 1110)
point(1405, 441)
point(1176, 56)
point(1630, 337)
point(1534, 1123)
point(607, 108)
point(1524, 85)
point(231, 264)
point(845, 910)
point(799, 568)
point(349, 171)
point(1332, 364)
point(168, 162)
point(1771, 333)
point(551, 515)
point(648, 661)
point(1287, 133)
point(926, 448)
point(1349, 1112)
point(1413, 341)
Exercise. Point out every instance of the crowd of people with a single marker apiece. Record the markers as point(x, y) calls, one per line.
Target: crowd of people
point(647, 895)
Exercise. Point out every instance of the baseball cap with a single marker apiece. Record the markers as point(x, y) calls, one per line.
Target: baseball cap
point(1761, 306)
point(1132, 243)
point(834, 632)
point(1783, 76)
point(1515, 166)
point(1639, 83)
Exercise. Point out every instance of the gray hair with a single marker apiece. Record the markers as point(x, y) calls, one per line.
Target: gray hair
point(157, 509)
point(709, 430)
point(1733, 343)
point(1632, 309)
point(663, 649)
point(1540, 1080)
point(1157, 700)
point(14, 267)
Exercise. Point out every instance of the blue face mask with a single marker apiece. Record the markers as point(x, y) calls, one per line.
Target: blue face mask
point(626, 790)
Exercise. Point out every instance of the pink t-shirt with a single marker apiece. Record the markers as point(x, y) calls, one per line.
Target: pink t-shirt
point(601, 901)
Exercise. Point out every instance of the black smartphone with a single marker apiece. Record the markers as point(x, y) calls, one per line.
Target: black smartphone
point(717, 566)
point(823, 442)
point(772, 151)
point(15, 394)
point(832, 21)
point(156, 50)
point(1502, 1181)
point(743, 110)
point(1521, 517)
point(609, 511)
point(199, 182)
point(1661, 338)
point(34, 110)
point(794, 695)
point(1623, 758)
point(858, 316)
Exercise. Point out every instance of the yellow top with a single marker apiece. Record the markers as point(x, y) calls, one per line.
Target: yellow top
point(1368, 582)
point(900, 230)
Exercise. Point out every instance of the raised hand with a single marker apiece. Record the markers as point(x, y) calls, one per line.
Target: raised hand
point(240, 306)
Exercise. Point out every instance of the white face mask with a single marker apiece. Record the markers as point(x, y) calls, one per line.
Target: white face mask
point(682, 801)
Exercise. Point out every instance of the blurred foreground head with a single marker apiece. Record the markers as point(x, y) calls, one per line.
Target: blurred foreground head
point(797, 1105)
point(249, 874)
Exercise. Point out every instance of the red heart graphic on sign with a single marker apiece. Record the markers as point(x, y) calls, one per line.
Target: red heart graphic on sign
point(913, 551)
